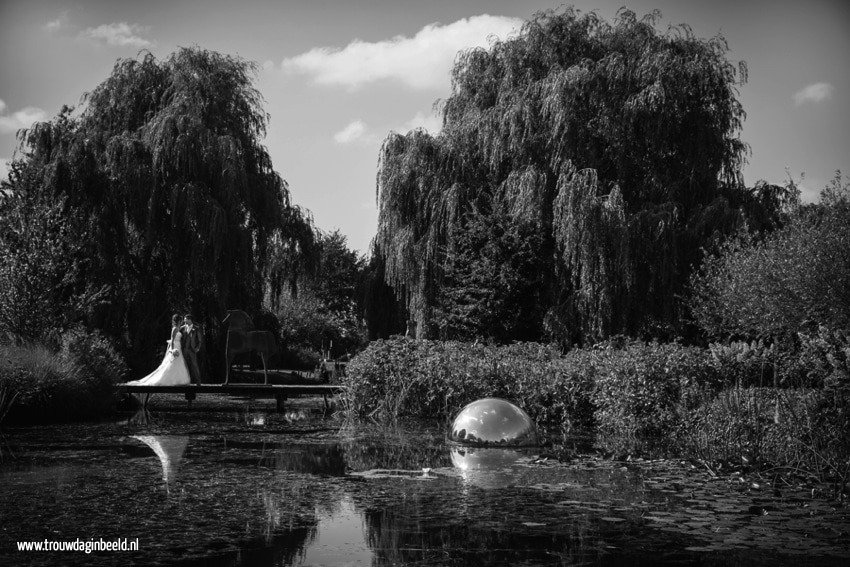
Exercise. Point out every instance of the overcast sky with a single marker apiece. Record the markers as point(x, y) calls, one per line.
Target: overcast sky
point(338, 76)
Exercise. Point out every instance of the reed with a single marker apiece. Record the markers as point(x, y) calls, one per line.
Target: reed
point(39, 385)
point(7, 399)
point(637, 397)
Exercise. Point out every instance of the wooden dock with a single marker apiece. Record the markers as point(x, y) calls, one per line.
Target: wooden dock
point(280, 392)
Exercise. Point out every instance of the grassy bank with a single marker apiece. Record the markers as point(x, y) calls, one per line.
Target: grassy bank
point(703, 403)
point(71, 380)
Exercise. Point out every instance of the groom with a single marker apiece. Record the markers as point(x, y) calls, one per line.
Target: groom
point(190, 344)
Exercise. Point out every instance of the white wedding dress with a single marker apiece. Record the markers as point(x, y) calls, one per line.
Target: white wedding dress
point(171, 372)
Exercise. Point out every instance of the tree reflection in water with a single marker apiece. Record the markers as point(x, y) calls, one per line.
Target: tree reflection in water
point(314, 459)
point(308, 459)
point(285, 547)
point(479, 526)
point(387, 448)
point(407, 535)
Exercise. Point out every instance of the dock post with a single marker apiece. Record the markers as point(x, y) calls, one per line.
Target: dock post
point(189, 397)
point(281, 400)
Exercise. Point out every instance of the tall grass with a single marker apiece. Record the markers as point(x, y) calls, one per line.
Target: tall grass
point(700, 403)
point(7, 398)
point(41, 385)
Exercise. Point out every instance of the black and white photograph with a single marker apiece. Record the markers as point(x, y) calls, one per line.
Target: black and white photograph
point(456, 283)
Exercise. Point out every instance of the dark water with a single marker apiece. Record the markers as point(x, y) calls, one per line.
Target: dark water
point(242, 485)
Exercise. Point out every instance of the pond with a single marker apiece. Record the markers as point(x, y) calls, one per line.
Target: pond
point(231, 482)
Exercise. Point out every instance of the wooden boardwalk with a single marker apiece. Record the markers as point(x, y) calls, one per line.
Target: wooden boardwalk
point(280, 392)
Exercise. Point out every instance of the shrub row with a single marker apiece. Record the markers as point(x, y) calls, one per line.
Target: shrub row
point(41, 384)
point(705, 403)
point(637, 386)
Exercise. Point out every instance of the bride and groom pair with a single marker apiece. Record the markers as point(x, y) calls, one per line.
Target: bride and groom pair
point(180, 364)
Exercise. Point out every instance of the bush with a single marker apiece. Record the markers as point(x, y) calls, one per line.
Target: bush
point(432, 379)
point(93, 354)
point(700, 403)
point(296, 357)
point(643, 391)
point(788, 281)
point(744, 364)
point(74, 383)
point(737, 428)
point(308, 329)
point(819, 357)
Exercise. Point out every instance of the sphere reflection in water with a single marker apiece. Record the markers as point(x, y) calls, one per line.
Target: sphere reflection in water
point(485, 467)
point(483, 458)
point(493, 421)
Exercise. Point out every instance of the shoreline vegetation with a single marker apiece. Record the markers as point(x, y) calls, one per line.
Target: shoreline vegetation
point(712, 405)
point(72, 379)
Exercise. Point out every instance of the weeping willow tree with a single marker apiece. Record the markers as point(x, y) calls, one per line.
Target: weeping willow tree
point(617, 141)
point(164, 184)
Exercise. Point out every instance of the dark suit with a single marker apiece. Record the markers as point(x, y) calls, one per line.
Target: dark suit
point(190, 344)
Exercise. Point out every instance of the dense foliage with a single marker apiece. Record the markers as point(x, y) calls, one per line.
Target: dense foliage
point(705, 403)
point(321, 313)
point(603, 154)
point(633, 387)
point(792, 280)
point(787, 292)
point(385, 315)
point(492, 283)
point(71, 380)
point(156, 196)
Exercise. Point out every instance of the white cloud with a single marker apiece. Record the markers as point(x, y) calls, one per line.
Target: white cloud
point(359, 132)
point(120, 34)
point(420, 62)
point(23, 118)
point(53, 25)
point(355, 132)
point(430, 122)
point(816, 92)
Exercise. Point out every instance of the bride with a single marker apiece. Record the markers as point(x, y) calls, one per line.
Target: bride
point(172, 371)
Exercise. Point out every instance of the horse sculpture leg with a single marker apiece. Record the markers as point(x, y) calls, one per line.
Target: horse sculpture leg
point(228, 360)
point(227, 356)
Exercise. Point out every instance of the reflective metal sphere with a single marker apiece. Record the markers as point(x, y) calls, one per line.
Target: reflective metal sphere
point(493, 421)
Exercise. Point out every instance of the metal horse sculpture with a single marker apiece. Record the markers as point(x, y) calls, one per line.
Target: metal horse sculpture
point(242, 337)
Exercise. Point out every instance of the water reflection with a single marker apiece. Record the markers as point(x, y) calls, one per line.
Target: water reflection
point(398, 537)
point(5, 450)
point(142, 417)
point(470, 459)
point(169, 449)
point(314, 459)
point(485, 467)
point(290, 494)
point(255, 418)
point(308, 459)
point(340, 538)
